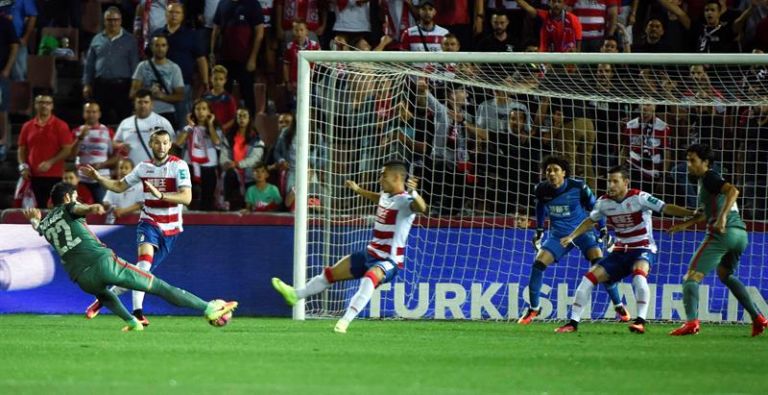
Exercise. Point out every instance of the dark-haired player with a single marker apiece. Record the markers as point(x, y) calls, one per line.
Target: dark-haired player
point(380, 261)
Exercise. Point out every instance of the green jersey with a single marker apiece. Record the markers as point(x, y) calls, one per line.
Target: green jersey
point(70, 237)
point(711, 200)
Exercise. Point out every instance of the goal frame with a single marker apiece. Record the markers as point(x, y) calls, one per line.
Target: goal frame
point(306, 58)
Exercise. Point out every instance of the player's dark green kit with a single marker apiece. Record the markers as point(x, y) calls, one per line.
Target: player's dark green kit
point(717, 249)
point(94, 267)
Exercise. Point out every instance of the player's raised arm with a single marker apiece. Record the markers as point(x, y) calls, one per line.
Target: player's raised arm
point(372, 196)
point(117, 186)
point(33, 216)
point(698, 217)
point(183, 196)
point(677, 211)
point(584, 226)
point(418, 205)
point(85, 209)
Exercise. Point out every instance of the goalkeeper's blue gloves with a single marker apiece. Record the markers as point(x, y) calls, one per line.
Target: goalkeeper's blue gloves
point(537, 239)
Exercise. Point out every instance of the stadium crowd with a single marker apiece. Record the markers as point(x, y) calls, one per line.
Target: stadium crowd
point(196, 68)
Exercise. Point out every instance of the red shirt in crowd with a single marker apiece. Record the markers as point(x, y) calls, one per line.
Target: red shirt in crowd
point(559, 33)
point(302, 10)
point(593, 16)
point(43, 142)
point(291, 56)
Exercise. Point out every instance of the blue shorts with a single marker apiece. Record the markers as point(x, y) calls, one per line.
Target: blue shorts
point(151, 234)
point(619, 264)
point(585, 242)
point(362, 261)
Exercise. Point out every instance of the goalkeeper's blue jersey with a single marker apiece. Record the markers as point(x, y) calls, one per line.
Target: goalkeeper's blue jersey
point(565, 206)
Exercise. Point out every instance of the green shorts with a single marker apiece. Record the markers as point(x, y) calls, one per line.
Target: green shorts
point(719, 249)
point(111, 270)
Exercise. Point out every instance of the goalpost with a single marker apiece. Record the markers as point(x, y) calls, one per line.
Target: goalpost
point(473, 128)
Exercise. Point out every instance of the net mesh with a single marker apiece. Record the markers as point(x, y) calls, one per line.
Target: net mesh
point(474, 135)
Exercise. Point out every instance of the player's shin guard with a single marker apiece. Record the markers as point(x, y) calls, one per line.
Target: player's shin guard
point(642, 293)
point(583, 293)
point(367, 285)
point(534, 284)
point(137, 297)
point(691, 299)
point(316, 285)
point(740, 292)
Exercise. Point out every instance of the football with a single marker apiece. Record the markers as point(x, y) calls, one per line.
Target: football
point(222, 321)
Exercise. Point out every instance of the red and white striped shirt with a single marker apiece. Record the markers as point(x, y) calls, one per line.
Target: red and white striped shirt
point(411, 39)
point(394, 218)
point(96, 147)
point(171, 176)
point(647, 143)
point(630, 218)
point(593, 15)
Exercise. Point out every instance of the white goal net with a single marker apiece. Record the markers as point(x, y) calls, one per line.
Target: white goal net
point(474, 127)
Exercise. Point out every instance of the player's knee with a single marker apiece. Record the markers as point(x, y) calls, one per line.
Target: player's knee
point(592, 277)
point(328, 273)
point(539, 265)
point(594, 261)
point(375, 275)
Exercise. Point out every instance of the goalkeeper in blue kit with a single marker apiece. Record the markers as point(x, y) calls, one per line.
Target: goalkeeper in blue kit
point(566, 201)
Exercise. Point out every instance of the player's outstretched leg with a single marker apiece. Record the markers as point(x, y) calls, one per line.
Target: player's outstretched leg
point(691, 304)
point(583, 292)
point(737, 288)
point(94, 308)
point(368, 284)
point(315, 285)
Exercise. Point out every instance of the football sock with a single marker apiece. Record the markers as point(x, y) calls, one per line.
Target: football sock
point(361, 298)
point(691, 299)
point(316, 285)
point(642, 294)
point(740, 292)
point(176, 296)
point(112, 302)
point(137, 297)
point(583, 293)
point(534, 285)
point(613, 292)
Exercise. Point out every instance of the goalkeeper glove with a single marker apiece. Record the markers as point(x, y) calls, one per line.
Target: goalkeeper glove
point(606, 239)
point(537, 239)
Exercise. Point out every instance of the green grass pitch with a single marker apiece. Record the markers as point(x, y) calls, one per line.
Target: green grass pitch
point(184, 355)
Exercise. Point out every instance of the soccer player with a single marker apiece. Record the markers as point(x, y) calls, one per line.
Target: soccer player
point(566, 201)
point(94, 267)
point(629, 212)
point(725, 242)
point(380, 261)
point(167, 186)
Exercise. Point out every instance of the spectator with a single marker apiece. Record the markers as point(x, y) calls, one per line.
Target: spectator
point(353, 23)
point(126, 203)
point(523, 153)
point(162, 78)
point(222, 102)
point(262, 196)
point(9, 47)
point(714, 35)
point(240, 23)
point(44, 143)
point(301, 42)
point(209, 11)
point(396, 17)
point(112, 57)
point(93, 146)
point(748, 22)
point(150, 16)
point(242, 149)
point(426, 35)
point(598, 19)
point(83, 192)
point(646, 150)
point(313, 12)
point(456, 17)
point(132, 136)
point(24, 17)
point(285, 158)
point(753, 152)
point(499, 40)
point(560, 29)
point(654, 39)
point(202, 139)
point(520, 26)
point(609, 116)
point(677, 25)
point(493, 114)
point(185, 50)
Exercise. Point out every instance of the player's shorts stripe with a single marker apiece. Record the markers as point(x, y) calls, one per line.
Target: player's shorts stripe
point(132, 267)
point(695, 260)
point(633, 233)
